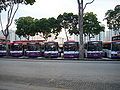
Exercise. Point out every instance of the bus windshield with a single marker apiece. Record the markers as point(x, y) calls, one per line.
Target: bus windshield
point(33, 47)
point(2, 47)
point(51, 47)
point(107, 46)
point(116, 46)
point(71, 46)
point(94, 46)
point(16, 47)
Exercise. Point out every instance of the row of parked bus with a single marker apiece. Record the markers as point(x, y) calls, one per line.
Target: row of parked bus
point(70, 49)
point(38, 48)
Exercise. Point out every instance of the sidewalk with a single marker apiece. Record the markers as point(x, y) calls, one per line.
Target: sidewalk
point(60, 58)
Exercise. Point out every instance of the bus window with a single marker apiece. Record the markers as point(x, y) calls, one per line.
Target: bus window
point(94, 46)
point(94, 49)
point(107, 46)
point(16, 47)
point(32, 47)
point(2, 47)
point(51, 49)
point(116, 46)
point(71, 49)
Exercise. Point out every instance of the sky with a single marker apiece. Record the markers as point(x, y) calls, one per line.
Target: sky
point(52, 8)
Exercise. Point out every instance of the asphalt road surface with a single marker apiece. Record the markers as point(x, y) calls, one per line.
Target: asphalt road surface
point(21, 74)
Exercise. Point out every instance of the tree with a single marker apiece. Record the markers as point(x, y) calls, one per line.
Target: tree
point(43, 27)
point(25, 27)
point(55, 26)
point(91, 25)
point(11, 7)
point(113, 19)
point(80, 25)
point(68, 21)
point(19, 33)
point(28, 26)
point(46, 27)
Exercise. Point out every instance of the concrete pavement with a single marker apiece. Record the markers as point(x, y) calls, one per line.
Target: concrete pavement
point(59, 75)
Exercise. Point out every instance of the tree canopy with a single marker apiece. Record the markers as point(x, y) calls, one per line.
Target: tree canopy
point(28, 26)
point(6, 3)
point(68, 22)
point(113, 19)
point(91, 25)
point(11, 11)
point(25, 27)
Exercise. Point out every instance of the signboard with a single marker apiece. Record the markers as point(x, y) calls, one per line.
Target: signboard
point(114, 38)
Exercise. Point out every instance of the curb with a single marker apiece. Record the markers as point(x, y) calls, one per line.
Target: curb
point(70, 59)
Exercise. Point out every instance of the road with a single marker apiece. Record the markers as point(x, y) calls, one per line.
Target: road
point(21, 74)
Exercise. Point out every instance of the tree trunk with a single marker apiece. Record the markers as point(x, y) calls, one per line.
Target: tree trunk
point(7, 46)
point(28, 38)
point(80, 25)
point(99, 37)
point(66, 34)
point(89, 37)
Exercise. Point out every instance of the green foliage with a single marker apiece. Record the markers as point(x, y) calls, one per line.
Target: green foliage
point(28, 26)
point(11, 11)
point(113, 18)
point(6, 3)
point(69, 22)
point(25, 27)
point(44, 28)
point(31, 2)
point(91, 25)
point(55, 26)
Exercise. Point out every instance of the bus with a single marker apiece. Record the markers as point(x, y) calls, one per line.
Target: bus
point(16, 49)
point(33, 49)
point(114, 51)
point(29, 48)
point(71, 49)
point(51, 49)
point(94, 49)
point(3, 50)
